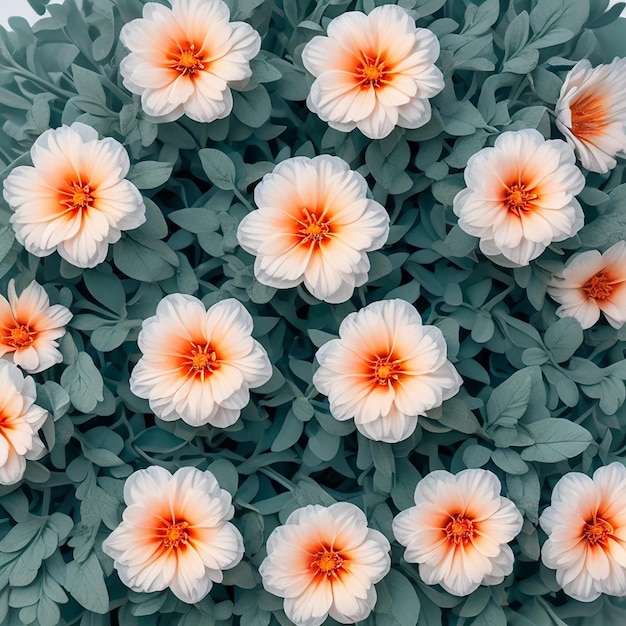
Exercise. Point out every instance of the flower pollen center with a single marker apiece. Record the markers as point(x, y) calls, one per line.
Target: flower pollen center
point(20, 336)
point(371, 72)
point(175, 534)
point(518, 199)
point(78, 196)
point(597, 530)
point(313, 229)
point(588, 115)
point(386, 370)
point(202, 360)
point(599, 287)
point(189, 61)
point(459, 529)
point(327, 562)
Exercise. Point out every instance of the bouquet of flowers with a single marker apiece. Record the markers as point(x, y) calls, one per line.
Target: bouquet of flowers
point(312, 311)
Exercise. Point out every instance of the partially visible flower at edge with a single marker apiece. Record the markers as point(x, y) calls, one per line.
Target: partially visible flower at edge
point(373, 72)
point(20, 420)
point(593, 282)
point(385, 369)
point(586, 528)
point(520, 195)
point(325, 561)
point(174, 533)
point(184, 60)
point(591, 113)
point(30, 327)
point(314, 225)
point(459, 529)
point(74, 199)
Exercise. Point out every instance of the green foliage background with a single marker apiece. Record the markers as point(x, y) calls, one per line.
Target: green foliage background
point(541, 397)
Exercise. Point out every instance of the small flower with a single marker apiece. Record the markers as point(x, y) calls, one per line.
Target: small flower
point(75, 199)
point(586, 528)
point(314, 225)
point(520, 195)
point(591, 113)
point(373, 72)
point(385, 370)
point(30, 327)
point(198, 365)
point(184, 60)
point(592, 282)
point(325, 561)
point(459, 529)
point(174, 533)
point(20, 419)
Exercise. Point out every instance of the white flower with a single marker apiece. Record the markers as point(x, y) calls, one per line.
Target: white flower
point(184, 60)
point(74, 199)
point(593, 282)
point(520, 195)
point(385, 369)
point(591, 113)
point(373, 72)
point(459, 529)
point(30, 327)
point(314, 226)
point(325, 561)
point(175, 533)
point(20, 419)
point(586, 528)
point(199, 365)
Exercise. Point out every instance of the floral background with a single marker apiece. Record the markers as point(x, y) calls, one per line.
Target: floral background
point(542, 394)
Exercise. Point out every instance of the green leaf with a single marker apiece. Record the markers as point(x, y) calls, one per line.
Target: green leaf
point(83, 382)
point(85, 583)
point(219, 168)
point(509, 401)
point(146, 260)
point(150, 174)
point(563, 338)
point(253, 108)
point(556, 439)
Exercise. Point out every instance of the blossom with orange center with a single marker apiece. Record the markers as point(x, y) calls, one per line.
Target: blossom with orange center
point(314, 226)
point(325, 561)
point(74, 199)
point(174, 533)
point(591, 113)
point(520, 195)
point(184, 60)
point(459, 529)
point(199, 365)
point(586, 528)
point(20, 420)
point(385, 369)
point(593, 282)
point(30, 327)
point(373, 72)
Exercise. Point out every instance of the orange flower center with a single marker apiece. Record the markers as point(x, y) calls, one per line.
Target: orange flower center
point(175, 534)
point(386, 370)
point(588, 115)
point(460, 529)
point(20, 336)
point(202, 360)
point(189, 61)
point(371, 72)
point(77, 196)
point(597, 530)
point(518, 199)
point(599, 286)
point(327, 562)
point(313, 229)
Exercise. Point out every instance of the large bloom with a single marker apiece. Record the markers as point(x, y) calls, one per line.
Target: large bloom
point(198, 365)
point(20, 419)
point(184, 60)
point(373, 72)
point(30, 327)
point(520, 195)
point(325, 561)
point(314, 225)
point(459, 529)
point(592, 282)
point(586, 528)
point(174, 533)
point(75, 199)
point(385, 370)
point(591, 113)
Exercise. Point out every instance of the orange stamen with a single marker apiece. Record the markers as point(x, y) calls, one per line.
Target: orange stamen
point(20, 336)
point(313, 229)
point(518, 199)
point(588, 115)
point(599, 287)
point(460, 529)
point(327, 562)
point(597, 531)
